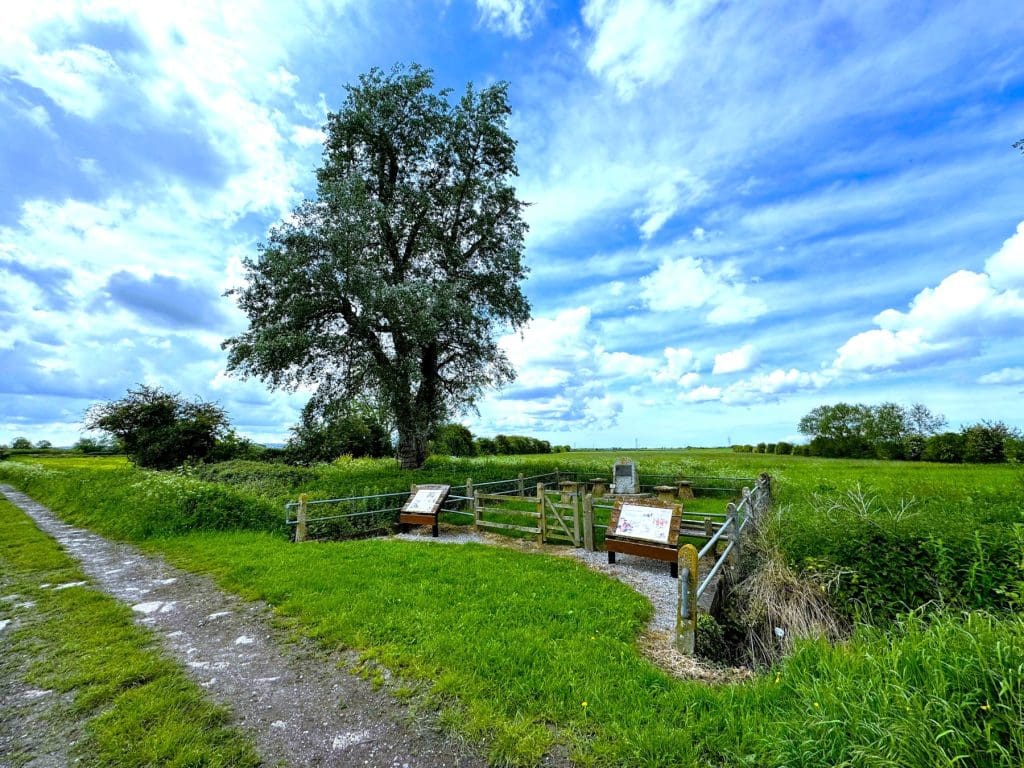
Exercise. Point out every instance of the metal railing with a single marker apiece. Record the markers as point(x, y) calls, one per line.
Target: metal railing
point(738, 517)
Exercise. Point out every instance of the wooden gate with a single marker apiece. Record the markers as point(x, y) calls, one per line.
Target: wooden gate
point(566, 518)
point(559, 521)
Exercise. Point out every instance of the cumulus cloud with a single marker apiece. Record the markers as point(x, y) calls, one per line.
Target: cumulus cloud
point(1003, 376)
point(1006, 266)
point(688, 282)
point(678, 363)
point(735, 361)
point(768, 386)
point(701, 394)
point(953, 319)
point(510, 17)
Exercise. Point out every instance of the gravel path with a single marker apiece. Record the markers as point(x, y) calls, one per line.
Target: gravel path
point(293, 700)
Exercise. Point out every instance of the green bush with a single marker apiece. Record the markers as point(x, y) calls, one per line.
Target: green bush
point(760, 448)
point(947, 447)
point(453, 440)
point(783, 449)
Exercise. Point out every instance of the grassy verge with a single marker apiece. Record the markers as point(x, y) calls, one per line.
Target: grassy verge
point(512, 645)
point(522, 651)
point(133, 706)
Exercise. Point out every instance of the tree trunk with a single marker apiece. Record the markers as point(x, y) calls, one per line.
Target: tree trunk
point(412, 450)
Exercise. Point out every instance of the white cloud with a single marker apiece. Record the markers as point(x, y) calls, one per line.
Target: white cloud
point(679, 361)
point(79, 80)
point(736, 360)
point(638, 42)
point(510, 17)
point(1006, 266)
point(688, 282)
point(701, 394)
point(666, 198)
point(957, 316)
point(1003, 376)
point(768, 386)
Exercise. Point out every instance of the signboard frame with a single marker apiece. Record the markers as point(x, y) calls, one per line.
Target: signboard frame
point(666, 550)
point(416, 512)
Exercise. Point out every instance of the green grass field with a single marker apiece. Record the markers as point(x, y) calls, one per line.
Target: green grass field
point(522, 651)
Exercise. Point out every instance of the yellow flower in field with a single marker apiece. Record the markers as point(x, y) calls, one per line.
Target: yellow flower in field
point(816, 705)
point(584, 704)
point(985, 707)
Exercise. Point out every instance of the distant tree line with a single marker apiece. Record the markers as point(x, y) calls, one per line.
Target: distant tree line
point(897, 432)
point(457, 440)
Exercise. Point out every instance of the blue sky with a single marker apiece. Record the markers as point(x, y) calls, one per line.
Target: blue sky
point(738, 210)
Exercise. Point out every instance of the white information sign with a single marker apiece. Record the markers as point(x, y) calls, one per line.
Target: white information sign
point(425, 500)
point(642, 522)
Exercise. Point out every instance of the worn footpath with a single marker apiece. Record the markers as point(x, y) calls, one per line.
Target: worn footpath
point(297, 703)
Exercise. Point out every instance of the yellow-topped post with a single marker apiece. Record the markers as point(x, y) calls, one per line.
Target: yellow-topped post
point(686, 605)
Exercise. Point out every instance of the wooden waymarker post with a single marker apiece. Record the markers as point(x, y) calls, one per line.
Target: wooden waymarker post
point(301, 529)
point(686, 605)
point(645, 527)
point(424, 503)
point(542, 514)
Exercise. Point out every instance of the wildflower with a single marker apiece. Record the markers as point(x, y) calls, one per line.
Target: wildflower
point(584, 704)
point(816, 705)
point(985, 707)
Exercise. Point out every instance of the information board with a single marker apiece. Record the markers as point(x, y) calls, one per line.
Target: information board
point(644, 522)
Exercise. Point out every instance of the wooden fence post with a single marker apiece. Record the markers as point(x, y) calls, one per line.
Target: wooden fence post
point(469, 493)
point(476, 510)
point(542, 519)
point(686, 604)
point(576, 501)
point(520, 486)
point(588, 523)
point(301, 531)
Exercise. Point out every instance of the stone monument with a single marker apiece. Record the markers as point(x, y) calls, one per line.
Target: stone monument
point(624, 476)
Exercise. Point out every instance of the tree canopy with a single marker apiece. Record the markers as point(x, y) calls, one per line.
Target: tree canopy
point(161, 430)
point(393, 283)
point(854, 430)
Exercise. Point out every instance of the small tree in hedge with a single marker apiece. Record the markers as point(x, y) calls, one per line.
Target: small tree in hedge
point(338, 428)
point(453, 440)
point(160, 430)
point(21, 444)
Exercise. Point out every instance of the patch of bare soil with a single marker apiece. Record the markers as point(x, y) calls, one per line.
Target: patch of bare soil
point(297, 703)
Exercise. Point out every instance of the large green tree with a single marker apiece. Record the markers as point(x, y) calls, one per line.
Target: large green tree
point(394, 282)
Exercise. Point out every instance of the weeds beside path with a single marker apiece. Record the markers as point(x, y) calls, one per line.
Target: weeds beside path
point(295, 703)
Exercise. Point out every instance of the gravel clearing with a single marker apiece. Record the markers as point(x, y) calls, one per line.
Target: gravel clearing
point(295, 701)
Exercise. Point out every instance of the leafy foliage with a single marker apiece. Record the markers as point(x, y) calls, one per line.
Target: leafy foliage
point(339, 429)
point(885, 431)
point(453, 440)
point(393, 282)
point(160, 430)
point(21, 444)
